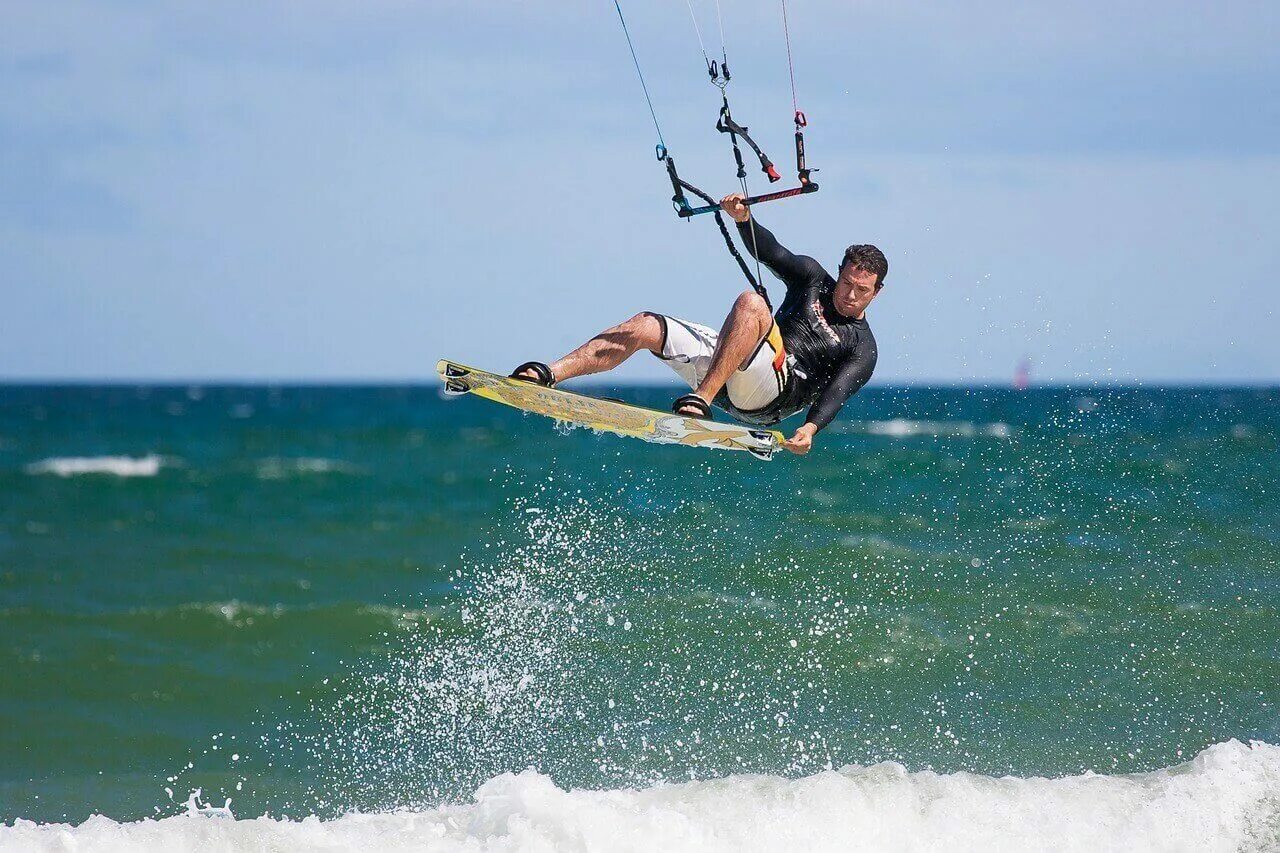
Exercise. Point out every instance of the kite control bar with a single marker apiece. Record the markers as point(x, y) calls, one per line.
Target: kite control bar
point(726, 124)
point(685, 210)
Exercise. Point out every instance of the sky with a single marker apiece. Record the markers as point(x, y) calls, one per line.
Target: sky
point(289, 191)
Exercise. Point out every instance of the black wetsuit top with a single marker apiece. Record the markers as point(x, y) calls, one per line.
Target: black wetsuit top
point(834, 354)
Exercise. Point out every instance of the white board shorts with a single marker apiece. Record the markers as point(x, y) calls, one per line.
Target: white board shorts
point(687, 348)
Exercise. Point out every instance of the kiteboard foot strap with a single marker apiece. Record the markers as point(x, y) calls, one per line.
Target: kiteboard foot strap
point(692, 401)
point(541, 374)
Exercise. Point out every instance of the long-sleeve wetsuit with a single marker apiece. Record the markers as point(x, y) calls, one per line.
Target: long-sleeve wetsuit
point(834, 355)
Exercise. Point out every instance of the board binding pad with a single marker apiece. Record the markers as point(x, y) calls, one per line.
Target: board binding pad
point(608, 415)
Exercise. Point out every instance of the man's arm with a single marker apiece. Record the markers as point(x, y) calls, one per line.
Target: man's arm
point(792, 269)
point(846, 383)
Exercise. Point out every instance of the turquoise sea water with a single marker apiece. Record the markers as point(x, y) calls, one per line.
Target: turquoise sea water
point(313, 600)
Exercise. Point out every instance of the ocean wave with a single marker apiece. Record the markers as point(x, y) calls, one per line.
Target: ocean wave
point(736, 602)
point(118, 466)
point(1226, 798)
point(281, 468)
point(240, 614)
point(879, 545)
point(903, 428)
point(243, 614)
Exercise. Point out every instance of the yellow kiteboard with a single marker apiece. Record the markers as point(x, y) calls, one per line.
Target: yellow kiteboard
point(608, 415)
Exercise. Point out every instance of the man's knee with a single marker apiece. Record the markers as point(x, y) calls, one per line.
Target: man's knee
point(749, 300)
point(644, 331)
point(752, 304)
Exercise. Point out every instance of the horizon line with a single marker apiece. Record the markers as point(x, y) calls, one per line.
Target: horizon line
point(922, 384)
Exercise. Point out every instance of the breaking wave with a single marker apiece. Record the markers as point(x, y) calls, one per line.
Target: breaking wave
point(1227, 798)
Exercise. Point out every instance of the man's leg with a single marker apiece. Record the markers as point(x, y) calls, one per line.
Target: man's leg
point(744, 329)
point(610, 348)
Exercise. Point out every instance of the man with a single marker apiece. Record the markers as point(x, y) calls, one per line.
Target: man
point(817, 351)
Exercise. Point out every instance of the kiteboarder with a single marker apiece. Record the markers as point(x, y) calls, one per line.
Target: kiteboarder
point(815, 352)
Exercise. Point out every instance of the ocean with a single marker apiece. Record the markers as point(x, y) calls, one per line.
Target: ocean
point(375, 618)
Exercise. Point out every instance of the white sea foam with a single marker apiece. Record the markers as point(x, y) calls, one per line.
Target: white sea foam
point(1227, 798)
point(903, 428)
point(118, 466)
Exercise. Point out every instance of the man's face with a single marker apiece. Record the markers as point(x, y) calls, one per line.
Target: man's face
point(855, 289)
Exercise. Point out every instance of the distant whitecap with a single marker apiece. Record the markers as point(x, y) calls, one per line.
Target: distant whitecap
point(116, 466)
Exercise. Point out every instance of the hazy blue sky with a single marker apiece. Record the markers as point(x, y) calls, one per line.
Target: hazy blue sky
point(310, 190)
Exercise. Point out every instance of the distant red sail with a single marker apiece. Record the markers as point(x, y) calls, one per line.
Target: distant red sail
point(1022, 375)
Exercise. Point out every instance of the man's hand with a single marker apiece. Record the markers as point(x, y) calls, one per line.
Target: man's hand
point(732, 205)
point(800, 443)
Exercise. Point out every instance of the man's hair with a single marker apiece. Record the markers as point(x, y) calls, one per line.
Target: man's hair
point(869, 258)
